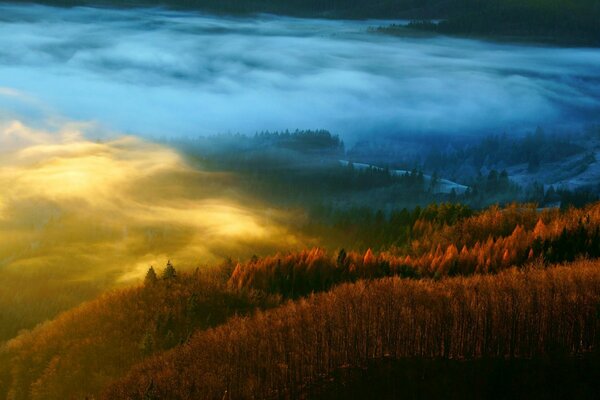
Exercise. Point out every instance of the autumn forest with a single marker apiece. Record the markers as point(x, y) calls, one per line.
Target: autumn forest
point(507, 283)
point(299, 199)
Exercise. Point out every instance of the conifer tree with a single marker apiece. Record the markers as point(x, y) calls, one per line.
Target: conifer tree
point(169, 271)
point(151, 277)
point(341, 258)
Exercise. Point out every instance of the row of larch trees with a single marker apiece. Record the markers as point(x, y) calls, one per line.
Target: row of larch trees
point(489, 242)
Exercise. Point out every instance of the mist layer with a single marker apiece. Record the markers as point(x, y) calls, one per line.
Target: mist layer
point(160, 73)
point(78, 217)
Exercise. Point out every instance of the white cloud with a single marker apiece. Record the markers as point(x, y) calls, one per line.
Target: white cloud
point(163, 73)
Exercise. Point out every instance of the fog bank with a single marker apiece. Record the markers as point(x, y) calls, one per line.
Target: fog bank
point(80, 216)
point(161, 73)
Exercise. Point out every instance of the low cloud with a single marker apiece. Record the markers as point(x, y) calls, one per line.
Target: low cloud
point(162, 73)
point(124, 195)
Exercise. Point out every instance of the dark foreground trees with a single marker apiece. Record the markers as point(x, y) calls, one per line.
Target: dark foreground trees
point(532, 313)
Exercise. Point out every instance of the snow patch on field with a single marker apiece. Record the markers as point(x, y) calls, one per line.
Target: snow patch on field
point(578, 171)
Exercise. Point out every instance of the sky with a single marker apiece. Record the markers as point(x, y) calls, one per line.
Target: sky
point(158, 73)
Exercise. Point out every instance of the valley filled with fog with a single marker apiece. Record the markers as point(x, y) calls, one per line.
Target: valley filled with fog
point(103, 171)
point(202, 206)
point(160, 73)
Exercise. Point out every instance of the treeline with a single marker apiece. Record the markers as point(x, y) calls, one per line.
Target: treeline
point(361, 228)
point(499, 151)
point(82, 350)
point(464, 158)
point(492, 188)
point(301, 168)
point(488, 242)
point(541, 160)
point(554, 21)
point(319, 140)
point(561, 21)
point(306, 169)
point(263, 150)
point(283, 352)
point(302, 140)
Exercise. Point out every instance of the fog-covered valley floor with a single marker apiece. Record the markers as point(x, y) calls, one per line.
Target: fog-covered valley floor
point(161, 73)
point(88, 201)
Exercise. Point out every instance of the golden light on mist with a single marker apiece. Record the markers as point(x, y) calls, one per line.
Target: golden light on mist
point(84, 216)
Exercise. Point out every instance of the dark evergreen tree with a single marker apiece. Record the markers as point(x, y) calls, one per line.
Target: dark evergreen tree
point(151, 277)
point(169, 271)
point(341, 258)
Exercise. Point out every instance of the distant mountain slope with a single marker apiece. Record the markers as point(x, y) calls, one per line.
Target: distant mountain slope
point(439, 185)
point(555, 21)
point(552, 21)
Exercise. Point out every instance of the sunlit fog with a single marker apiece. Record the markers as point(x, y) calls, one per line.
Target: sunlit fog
point(78, 216)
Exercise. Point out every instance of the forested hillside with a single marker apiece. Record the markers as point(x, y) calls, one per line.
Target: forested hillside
point(557, 21)
point(440, 243)
point(316, 171)
point(467, 285)
point(562, 21)
point(84, 349)
point(284, 352)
